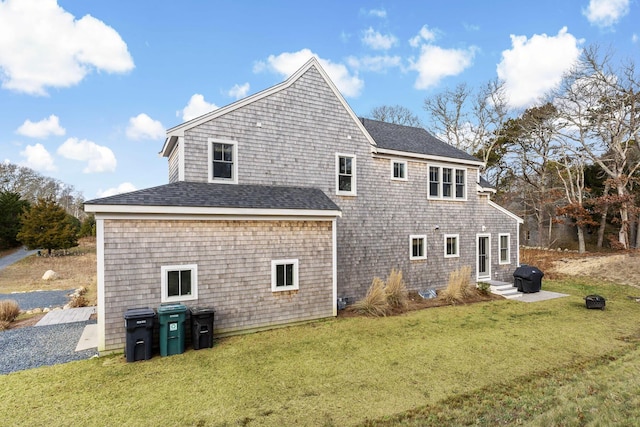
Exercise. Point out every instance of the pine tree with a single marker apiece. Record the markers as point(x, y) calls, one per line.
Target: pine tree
point(11, 207)
point(45, 225)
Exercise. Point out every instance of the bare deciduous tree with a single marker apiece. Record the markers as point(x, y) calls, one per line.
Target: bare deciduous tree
point(395, 114)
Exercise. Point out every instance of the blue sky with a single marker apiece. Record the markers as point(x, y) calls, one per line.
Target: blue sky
point(88, 88)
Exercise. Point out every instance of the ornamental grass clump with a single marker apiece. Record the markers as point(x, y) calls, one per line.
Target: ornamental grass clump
point(9, 310)
point(396, 290)
point(459, 286)
point(374, 302)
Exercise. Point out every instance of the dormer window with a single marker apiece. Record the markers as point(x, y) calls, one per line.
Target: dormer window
point(223, 161)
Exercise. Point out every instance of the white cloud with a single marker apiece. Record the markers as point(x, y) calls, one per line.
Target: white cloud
point(374, 63)
point(289, 62)
point(436, 63)
point(37, 157)
point(378, 13)
point(98, 157)
point(424, 35)
point(378, 41)
point(605, 13)
point(144, 127)
point(41, 129)
point(125, 187)
point(196, 107)
point(42, 45)
point(634, 38)
point(238, 91)
point(534, 66)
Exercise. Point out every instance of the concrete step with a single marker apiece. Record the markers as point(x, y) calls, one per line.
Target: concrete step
point(506, 290)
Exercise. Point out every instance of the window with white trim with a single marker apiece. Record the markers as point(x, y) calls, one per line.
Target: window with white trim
point(447, 183)
point(504, 243)
point(451, 245)
point(284, 275)
point(179, 283)
point(345, 175)
point(223, 161)
point(417, 247)
point(398, 170)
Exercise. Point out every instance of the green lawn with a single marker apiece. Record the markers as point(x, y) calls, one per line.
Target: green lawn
point(502, 362)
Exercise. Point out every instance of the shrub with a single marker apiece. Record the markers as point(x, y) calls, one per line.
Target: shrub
point(4, 325)
point(9, 310)
point(458, 287)
point(375, 301)
point(78, 301)
point(396, 290)
point(483, 288)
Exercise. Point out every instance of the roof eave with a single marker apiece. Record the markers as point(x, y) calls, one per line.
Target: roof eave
point(378, 150)
point(210, 211)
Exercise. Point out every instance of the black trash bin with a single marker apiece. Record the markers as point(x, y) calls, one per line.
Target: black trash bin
point(527, 279)
point(139, 325)
point(202, 327)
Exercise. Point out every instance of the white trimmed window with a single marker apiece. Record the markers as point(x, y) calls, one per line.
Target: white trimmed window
point(179, 282)
point(284, 275)
point(223, 161)
point(417, 247)
point(399, 170)
point(451, 245)
point(504, 241)
point(447, 183)
point(345, 175)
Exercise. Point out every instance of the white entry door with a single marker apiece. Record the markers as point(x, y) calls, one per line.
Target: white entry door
point(483, 256)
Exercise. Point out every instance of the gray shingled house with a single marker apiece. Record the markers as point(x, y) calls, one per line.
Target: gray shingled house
point(281, 203)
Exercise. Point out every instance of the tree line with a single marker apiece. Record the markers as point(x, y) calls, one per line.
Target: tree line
point(572, 159)
point(40, 212)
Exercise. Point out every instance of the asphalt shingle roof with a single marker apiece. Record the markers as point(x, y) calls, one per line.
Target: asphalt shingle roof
point(411, 140)
point(198, 194)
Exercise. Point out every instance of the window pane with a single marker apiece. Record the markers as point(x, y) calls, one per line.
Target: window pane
point(280, 275)
point(398, 170)
point(228, 152)
point(185, 282)
point(173, 283)
point(222, 170)
point(434, 181)
point(289, 274)
point(460, 184)
point(217, 151)
point(451, 246)
point(446, 182)
point(344, 183)
point(418, 248)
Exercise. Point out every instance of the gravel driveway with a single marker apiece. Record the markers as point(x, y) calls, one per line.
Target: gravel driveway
point(34, 346)
point(39, 299)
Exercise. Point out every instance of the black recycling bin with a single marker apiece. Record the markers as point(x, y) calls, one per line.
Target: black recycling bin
point(139, 325)
point(202, 327)
point(528, 279)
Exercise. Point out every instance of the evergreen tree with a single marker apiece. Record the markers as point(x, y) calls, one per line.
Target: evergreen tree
point(46, 225)
point(88, 227)
point(11, 207)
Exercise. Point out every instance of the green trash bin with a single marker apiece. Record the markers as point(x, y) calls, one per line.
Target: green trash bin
point(171, 317)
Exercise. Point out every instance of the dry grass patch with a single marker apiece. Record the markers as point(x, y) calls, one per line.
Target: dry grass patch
point(459, 287)
point(75, 269)
point(9, 310)
point(383, 298)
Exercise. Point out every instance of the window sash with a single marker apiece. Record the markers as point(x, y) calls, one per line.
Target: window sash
point(460, 183)
point(399, 170)
point(418, 247)
point(434, 181)
point(284, 275)
point(451, 246)
point(504, 248)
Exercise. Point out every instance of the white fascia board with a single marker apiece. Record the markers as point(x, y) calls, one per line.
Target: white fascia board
point(482, 189)
point(183, 217)
point(426, 157)
point(506, 212)
point(230, 212)
point(180, 129)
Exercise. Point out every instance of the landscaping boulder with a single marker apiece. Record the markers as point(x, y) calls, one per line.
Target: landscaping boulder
point(49, 275)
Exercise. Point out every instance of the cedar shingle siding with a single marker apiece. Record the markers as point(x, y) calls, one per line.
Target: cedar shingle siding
point(288, 137)
point(234, 269)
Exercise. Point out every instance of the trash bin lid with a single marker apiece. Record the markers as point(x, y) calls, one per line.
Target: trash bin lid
point(172, 308)
point(139, 313)
point(199, 311)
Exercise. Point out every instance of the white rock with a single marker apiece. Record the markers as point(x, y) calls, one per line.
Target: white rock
point(49, 275)
point(46, 310)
